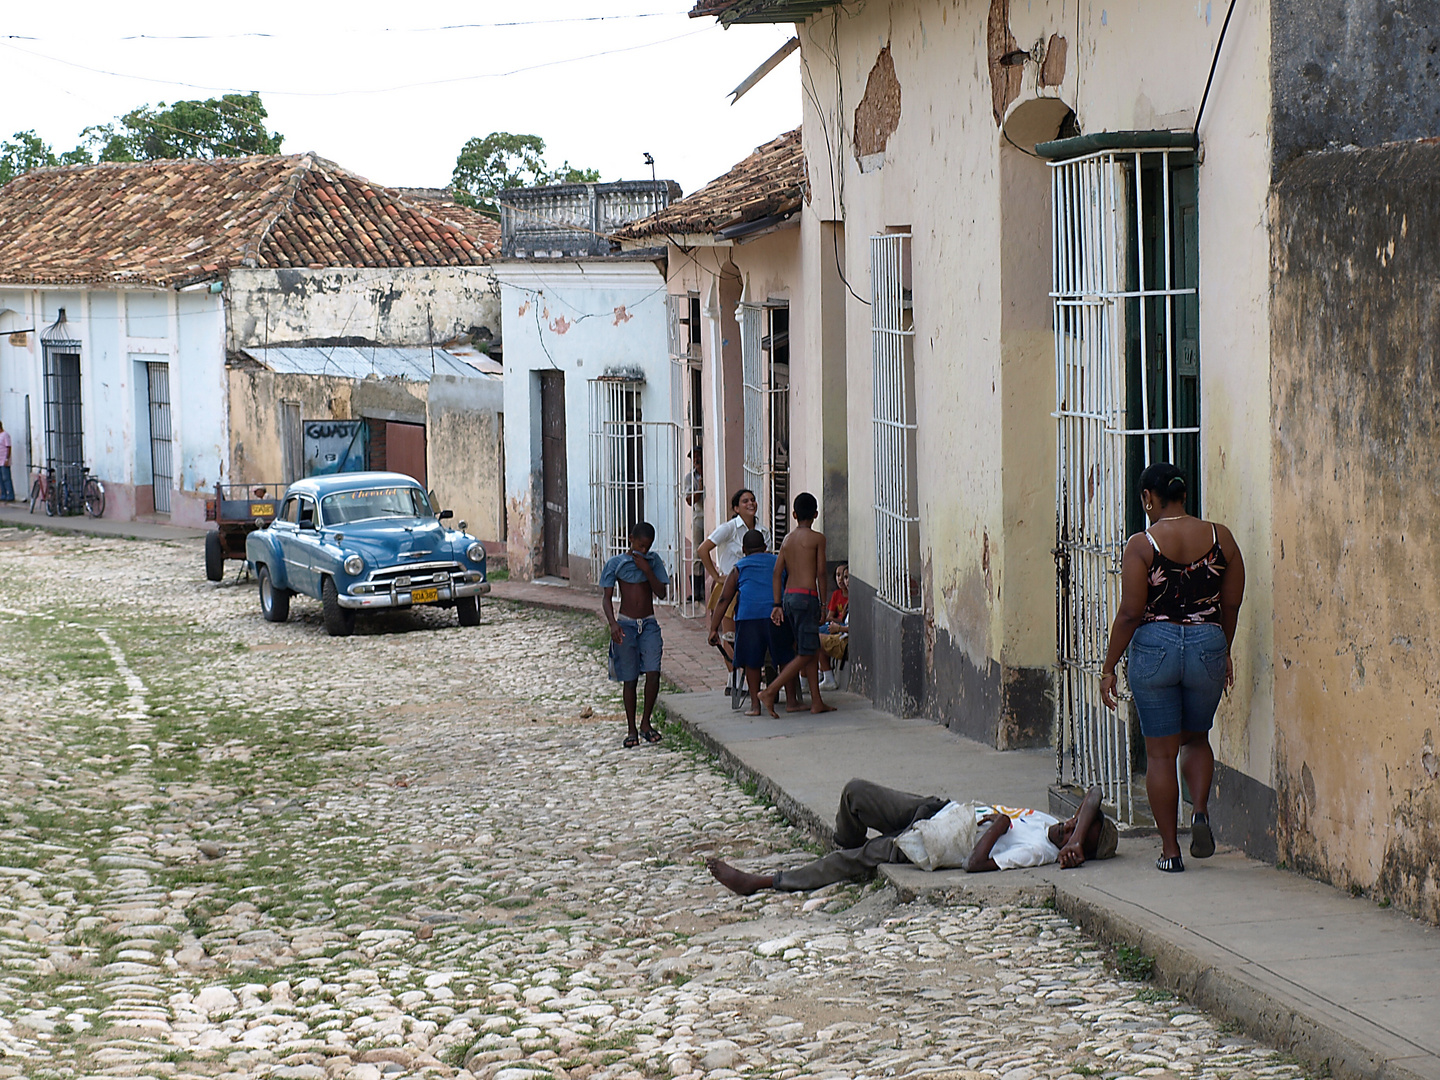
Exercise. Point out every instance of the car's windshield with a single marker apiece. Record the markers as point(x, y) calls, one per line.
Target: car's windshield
point(378, 502)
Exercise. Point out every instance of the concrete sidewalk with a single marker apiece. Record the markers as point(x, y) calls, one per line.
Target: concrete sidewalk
point(1346, 986)
point(18, 513)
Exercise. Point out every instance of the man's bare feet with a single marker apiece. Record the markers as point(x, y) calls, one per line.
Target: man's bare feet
point(818, 706)
point(768, 699)
point(795, 705)
point(738, 881)
point(753, 712)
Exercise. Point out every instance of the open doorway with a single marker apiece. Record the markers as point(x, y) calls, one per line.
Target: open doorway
point(554, 494)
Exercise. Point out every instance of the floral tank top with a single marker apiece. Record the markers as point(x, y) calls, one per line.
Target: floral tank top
point(1185, 592)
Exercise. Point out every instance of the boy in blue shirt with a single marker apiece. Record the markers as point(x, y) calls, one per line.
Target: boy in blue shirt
point(635, 643)
point(755, 634)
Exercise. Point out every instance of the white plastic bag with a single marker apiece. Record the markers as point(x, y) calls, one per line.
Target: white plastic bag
point(942, 841)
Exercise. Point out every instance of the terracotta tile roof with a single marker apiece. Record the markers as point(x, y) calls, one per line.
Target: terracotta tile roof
point(769, 182)
point(440, 202)
point(165, 222)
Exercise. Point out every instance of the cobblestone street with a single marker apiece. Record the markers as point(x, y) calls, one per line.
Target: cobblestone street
point(231, 848)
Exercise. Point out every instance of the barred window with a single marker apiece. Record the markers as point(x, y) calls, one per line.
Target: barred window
point(892, 350)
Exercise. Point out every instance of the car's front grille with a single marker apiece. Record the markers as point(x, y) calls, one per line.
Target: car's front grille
point(427, 573)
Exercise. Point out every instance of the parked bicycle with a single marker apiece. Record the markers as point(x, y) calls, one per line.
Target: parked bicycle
point(63, 494)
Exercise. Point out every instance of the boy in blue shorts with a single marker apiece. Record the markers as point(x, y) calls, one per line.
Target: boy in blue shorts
point(755, 635)
point(635, 643)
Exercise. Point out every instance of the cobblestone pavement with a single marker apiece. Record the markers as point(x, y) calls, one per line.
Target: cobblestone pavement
point(229, 848)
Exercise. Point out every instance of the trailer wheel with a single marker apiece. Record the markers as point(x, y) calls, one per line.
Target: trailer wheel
point(274, 601)
point(214, 557)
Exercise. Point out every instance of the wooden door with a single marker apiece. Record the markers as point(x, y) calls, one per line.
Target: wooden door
point(553, 468)
point(405, 449)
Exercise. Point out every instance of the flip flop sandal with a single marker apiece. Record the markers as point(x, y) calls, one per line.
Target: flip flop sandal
point(650, 735)
point(631, 741)
point(1170, 864)
point(1202, 840)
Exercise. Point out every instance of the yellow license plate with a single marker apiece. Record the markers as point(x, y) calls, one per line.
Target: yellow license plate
point(424, 596)
point(262, 509)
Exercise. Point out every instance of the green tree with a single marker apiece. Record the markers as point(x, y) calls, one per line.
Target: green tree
point(485, 167)
point(228, 126)
point(24, 152)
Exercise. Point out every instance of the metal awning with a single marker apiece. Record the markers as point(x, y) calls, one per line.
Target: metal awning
point(359, 362)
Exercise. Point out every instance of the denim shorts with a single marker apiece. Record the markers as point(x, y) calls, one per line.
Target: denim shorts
point(1177, 674)
point(756, 637)
point(639, 651)
point(802, 615)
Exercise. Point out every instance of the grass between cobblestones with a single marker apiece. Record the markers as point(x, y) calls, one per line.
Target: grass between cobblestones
point(231, 848)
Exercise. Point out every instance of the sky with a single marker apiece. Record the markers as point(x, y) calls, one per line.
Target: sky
point(392, 91)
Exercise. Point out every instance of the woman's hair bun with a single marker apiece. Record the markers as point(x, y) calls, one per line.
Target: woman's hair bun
point(1165, 480)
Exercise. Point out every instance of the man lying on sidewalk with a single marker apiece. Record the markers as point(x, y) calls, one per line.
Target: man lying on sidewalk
point(1012, 838)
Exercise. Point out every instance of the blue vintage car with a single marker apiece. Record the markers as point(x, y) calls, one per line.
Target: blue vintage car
point(359, 541)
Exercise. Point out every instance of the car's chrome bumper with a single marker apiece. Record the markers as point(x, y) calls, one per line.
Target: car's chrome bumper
point(453, 590)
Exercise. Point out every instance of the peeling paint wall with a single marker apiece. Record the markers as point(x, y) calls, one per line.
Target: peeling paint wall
point(1356, 488)
point(465, 434)
point(387, 306)
point(984, 367)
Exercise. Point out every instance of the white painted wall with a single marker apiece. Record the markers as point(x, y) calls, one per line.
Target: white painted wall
point(584, 319)
point(119, 330)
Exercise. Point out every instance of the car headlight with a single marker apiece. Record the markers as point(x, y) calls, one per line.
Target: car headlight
point(475, 552)
point(353, 565)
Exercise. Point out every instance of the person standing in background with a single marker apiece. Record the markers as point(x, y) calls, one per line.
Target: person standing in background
point(7, 482)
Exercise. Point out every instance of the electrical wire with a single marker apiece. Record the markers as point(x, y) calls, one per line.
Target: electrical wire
point(359, 31)
point(359, 91)
point(1214, 61)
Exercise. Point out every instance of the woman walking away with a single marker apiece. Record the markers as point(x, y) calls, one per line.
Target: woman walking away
point(1181, 584)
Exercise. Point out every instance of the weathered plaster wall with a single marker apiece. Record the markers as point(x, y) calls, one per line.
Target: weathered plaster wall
point(584, 319)
point(389, 306)
point(988, 583)
point(1356, 73)
point(120, 331)
point(256, 395)
point(1356, 487)
point(464, 433)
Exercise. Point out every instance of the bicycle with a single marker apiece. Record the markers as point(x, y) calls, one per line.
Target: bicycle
point(43, 493)
point(93, 495)
point(62, 496)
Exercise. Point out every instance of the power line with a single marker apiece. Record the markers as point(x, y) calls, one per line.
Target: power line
point(358, 31)
point(374, 90)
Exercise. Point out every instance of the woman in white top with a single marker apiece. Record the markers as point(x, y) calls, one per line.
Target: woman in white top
point(725, 546)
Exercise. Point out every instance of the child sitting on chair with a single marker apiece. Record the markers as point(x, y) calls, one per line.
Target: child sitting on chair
point(755, 634)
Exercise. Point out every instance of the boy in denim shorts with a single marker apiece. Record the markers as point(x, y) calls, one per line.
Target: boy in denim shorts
point(635, 643)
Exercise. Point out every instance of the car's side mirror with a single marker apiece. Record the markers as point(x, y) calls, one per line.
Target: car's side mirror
point(445, 515)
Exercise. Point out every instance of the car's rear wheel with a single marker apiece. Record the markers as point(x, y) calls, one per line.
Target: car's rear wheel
point(339, 621)
point(274, 601)
point(214, 557)
point(468, 608)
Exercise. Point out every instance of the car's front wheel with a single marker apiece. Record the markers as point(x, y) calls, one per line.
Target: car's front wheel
point(339, 621)
point(274, 601)
point(468, 608)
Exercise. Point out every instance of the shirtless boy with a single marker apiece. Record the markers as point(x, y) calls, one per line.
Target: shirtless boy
point(800, 572)
point(635, 642)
